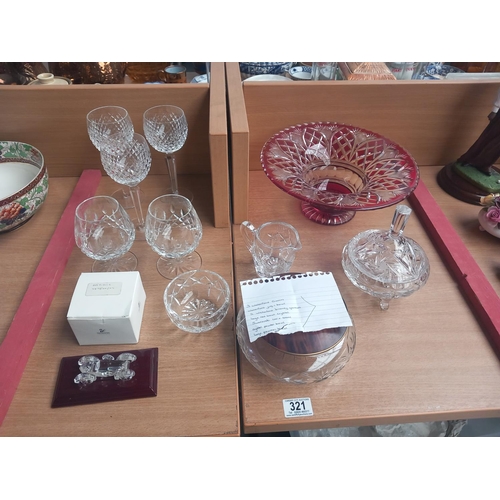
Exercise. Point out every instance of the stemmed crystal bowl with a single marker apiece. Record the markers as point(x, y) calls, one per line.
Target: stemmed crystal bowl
point(105, 233)
point(166, 129)
point(337, 169)
point(174, 231)
point(107, 121)
point(127, 162)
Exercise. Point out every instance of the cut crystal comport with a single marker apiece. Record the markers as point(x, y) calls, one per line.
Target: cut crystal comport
point(337, 169)
point(386, 264)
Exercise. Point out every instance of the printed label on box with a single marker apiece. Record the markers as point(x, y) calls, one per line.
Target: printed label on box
point(106, 288)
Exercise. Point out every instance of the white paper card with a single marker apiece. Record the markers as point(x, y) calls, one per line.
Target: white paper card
point(298, 407)
point(287, 304)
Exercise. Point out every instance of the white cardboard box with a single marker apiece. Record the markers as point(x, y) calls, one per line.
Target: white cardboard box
point(107, 308)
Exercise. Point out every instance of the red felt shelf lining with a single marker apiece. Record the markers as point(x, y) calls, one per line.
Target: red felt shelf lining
point(475, 286)
point(17, 345)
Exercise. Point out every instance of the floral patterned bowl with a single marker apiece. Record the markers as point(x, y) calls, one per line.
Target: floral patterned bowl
point(24, 183)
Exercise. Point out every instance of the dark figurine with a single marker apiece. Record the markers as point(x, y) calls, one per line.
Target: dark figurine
point(486, 150)
point(472, 176)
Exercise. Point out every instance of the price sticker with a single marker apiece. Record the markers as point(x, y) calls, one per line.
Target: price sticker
point(298, 407)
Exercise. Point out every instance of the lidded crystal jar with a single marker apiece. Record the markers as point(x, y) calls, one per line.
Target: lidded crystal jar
point(386, 264)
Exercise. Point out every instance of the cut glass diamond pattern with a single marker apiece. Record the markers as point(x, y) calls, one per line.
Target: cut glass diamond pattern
point(337, 166)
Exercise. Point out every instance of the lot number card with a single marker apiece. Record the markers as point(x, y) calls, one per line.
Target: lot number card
point(287, 304)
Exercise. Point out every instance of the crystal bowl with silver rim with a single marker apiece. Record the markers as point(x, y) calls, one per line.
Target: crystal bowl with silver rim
point(300, 357)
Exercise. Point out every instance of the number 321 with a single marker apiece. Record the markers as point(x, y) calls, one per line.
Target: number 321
point(297, 405)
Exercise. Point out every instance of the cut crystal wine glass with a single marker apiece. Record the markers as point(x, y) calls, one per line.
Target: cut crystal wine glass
point(166, 129)
point(105, 233)
point(103, 122)
point(173, 230)
point(127, 162)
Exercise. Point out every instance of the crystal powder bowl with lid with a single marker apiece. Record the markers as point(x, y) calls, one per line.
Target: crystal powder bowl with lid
point(386, 264)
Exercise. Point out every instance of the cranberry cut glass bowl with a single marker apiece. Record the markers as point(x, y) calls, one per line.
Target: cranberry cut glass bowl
point(337, 169)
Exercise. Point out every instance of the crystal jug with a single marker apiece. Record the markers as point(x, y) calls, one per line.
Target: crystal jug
point(273, 246)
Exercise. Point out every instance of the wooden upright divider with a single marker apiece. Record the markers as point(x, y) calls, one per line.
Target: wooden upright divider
point(428, 357)
point(197, 374)
point(219, 151)
point(239, 143)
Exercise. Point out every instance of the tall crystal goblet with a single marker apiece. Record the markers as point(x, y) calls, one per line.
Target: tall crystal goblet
point(103, 122)
point(166, 129)
point(174, 231)
point(105, 233)
point(127, 162)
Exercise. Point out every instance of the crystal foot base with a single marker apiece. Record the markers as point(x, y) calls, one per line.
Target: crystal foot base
point(170, 268)
point(384, 304)
point(332, 218)
point(127, 262)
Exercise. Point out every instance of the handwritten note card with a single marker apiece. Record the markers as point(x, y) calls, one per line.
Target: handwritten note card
point(287, 304)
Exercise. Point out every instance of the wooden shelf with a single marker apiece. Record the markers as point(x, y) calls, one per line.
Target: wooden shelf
point(426, 358)
point(197, 377)
point(429, 356)
point(198, 387)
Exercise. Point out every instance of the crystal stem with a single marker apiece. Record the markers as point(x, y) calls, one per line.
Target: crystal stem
point(136, 197)
point(126, 195)
point(399, 220)
point(172, 172)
